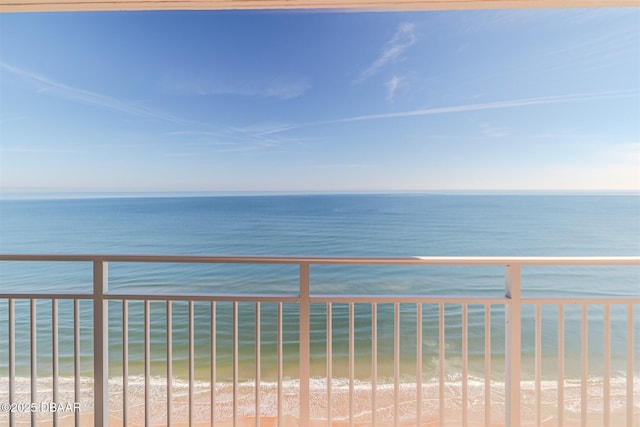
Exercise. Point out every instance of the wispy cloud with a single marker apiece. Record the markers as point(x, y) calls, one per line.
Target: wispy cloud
point(403, 38)
point(4, 120)
point(228, 138)
point(392, 86)
point(289, 90)
point(236, 139)
point(517, 103)
point(593, 51)
point(278, 88)
point(338, 166)
point(269, 135)
point(490, 131)
point(82, 96)
point(264, 129)
point(36, 150)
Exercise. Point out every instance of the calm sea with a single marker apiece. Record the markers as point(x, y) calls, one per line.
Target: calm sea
point(389, 225)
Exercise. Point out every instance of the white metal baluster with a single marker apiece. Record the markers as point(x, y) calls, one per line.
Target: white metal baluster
point(191, 362)
point(441, 363)
point(12, 359)
point(374, 362)
point(235, 362)
point(538, 364)
point(351, 363)
point(214, 380)
point(147, 366)
point(34, 360)
point(487, 365)
point(54, 356)
point(584, 366)
point(279, 351)
point(329, 363)
point(630, 365)
point(169, 363)
point(396, 364)
point(465, 363)
point(419, 364)
point(560, 365)
point(125, 362)
point(76, 358)
point(607, 364)
point(257, 383)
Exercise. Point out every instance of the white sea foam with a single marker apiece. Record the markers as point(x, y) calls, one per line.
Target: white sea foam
point(341, 405)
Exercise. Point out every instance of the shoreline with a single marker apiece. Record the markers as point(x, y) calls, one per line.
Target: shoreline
point(341, 407)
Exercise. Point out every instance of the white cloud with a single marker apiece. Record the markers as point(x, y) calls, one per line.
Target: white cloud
point(403, 38)
point(288, 90)
point(35, 150)
point(392, 86)
point(543, 100)
point(279, 88)
point(491, 131)
point(338, 166)
point(263, 129)
point(228, 139)
point(52, 87)
point(4, 120)
point(516, 103)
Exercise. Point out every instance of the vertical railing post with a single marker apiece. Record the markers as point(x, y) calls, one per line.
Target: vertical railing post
point(12, 358)
point(305, 346)
point(100, 344)
point(512, 345)
point(34, 358)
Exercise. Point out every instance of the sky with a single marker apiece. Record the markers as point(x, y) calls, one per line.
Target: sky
point(320, 101)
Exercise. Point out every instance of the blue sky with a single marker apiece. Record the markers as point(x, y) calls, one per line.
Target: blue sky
point(331, 101)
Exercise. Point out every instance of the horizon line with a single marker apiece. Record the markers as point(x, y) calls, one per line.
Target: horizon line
point(87, 194)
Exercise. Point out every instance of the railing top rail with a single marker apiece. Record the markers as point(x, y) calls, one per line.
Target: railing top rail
point(413, 260)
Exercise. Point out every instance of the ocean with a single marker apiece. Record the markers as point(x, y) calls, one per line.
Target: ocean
point(327, 225)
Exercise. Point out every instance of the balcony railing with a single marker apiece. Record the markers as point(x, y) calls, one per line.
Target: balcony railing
point(317, 384)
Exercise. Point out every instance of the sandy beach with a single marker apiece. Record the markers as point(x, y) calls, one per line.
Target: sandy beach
point(388, 406)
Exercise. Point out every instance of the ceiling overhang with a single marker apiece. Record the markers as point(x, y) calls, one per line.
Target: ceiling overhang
point(119, 5)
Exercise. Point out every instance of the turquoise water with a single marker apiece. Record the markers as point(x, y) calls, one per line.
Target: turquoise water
point(321, 225)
